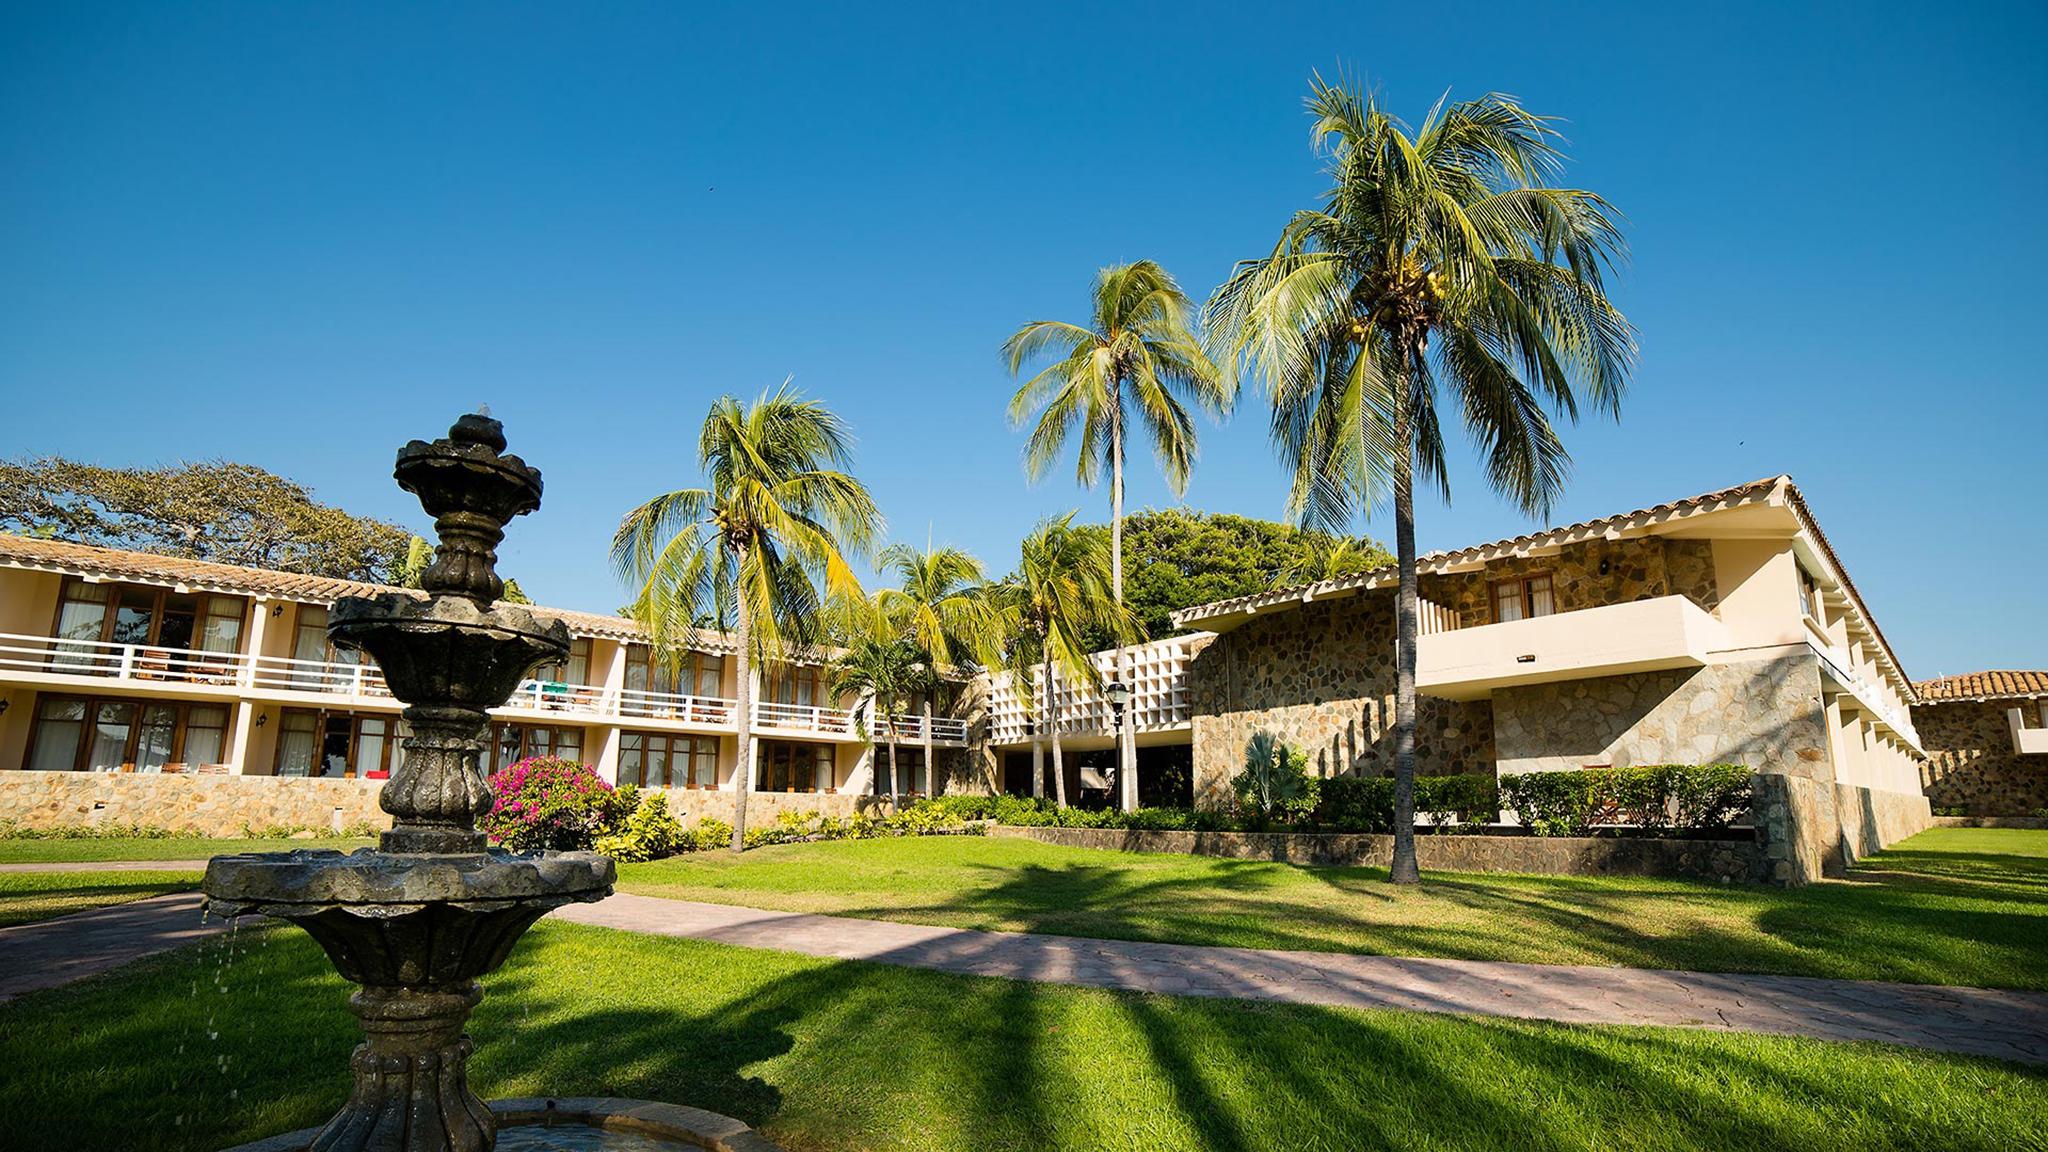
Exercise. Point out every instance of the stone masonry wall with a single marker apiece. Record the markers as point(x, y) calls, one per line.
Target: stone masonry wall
point(1723, 860)
point(1321, 677)
point(1970, 761)
point(1634, 570)
point(201, 805)
point(1765, 714)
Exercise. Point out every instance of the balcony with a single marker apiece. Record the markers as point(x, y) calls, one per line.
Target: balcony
point(1643, 636)
point(2026, 741)
point(805, 719)
point(909, 729)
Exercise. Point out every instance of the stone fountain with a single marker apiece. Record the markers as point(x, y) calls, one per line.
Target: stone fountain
point(417, 920)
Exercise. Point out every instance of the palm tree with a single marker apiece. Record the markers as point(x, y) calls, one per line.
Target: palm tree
point(765, 540)
point(1439, 259)
point(1060, 590)
point(939, 611)
point(875, 662)
point(1139, 353)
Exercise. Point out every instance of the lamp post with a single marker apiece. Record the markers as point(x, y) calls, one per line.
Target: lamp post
point(1118, 694)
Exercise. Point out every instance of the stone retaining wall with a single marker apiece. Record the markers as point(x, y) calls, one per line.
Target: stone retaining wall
point(691, 805)
point(201, 805)
point(1721, 860)
point(1971, 763)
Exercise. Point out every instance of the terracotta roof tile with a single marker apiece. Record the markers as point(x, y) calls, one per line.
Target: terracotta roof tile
point(148, 567)
point(1995, 685)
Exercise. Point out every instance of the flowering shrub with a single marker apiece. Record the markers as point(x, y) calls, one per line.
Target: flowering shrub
point(545, 802)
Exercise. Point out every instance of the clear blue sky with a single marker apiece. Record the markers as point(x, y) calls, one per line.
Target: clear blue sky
point(298, 235)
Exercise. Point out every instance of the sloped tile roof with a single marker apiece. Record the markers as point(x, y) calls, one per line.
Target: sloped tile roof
point(150, 568)
point(1994, 685)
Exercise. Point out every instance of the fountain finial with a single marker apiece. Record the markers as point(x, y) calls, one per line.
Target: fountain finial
point(472, 490)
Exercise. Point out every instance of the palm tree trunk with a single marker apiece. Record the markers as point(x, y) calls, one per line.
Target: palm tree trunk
point(890, 742)
point(1126, 736)
point(931, 776)
point(743, 774)
point(1405, 870)
point(1038, 735)
point(1052, 720)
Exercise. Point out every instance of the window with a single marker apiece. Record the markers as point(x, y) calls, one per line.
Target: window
point(791, 767)
point(1809, 597)
point(77, 735)
point(663, 760)
point(575, 670)
point(339, 744)
point(511, 743)
point(910, 776)
point(801, 685)
point(1522, 599)
point(696, 674)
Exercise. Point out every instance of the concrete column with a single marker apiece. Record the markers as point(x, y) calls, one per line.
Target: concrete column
point(605, 739)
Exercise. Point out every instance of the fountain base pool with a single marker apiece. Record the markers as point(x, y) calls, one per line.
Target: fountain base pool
point(589, 1124)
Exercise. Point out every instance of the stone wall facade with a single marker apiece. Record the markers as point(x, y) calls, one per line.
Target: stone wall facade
point(1738, 859)
point(1765, 714)
point(199, 805)
point(1971, 763)
point(1321, 677)
point(1590, 574)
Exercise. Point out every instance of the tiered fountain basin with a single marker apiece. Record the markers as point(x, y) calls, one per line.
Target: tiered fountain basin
point(589, 1124)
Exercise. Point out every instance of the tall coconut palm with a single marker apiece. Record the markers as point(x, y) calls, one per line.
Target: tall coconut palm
point(937, 609)
point(1060, 590)
point(874, 661)
point(1440, 264)
point(763, 543)
point(1138, 355)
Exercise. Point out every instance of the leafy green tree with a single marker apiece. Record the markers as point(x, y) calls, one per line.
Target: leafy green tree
point(1177, 558)
point(1139, 355)
point(938, 609)
point(1048, 607)
point(1439, 264)
point(207, 510)
point(763, 543)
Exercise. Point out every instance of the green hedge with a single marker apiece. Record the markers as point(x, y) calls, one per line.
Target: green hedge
point(1653, 797)
point(1366, 803)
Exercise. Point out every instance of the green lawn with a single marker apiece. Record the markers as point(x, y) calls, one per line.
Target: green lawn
point(24, 850)
point(188, 1052)
point(28, 896)
point(1950, 906)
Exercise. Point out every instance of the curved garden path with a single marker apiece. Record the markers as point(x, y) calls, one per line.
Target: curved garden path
point(1976, 1021)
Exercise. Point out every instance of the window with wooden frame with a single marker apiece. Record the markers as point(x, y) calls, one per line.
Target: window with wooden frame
point(511, 743)
point(787, 766)
point(151, 618)
point(78, 734)
point(803, 685)
point(1809, 597)
point(668, 760)
point(1524, 598)
point(313, 742)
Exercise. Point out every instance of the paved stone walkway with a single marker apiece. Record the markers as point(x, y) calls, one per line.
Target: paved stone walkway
point(48, 953)
point(2011, 1025)
point(111, 866)
point(1986, 1022)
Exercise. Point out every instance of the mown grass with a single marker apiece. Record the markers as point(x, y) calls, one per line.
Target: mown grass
point(1950, 906)
point(189, 1053)
point(26, 897)
point(38, 850)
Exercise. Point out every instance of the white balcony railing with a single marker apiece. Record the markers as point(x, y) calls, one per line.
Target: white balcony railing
point(1641, 636)
point(147, 666)
point(2026, 741)
point(909, 728)
point(803, 718)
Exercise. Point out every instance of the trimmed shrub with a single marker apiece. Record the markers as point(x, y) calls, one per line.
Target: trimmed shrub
point(1653, 797)
point(1459, 802)
point(548, 803)
point(1355, 804)
point(650, 833)
point(709, 834)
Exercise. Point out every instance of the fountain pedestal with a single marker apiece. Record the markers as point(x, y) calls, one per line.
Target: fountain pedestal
point(417, 920)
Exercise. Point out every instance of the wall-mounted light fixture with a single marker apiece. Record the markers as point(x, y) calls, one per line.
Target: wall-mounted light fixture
point(5, 705)
point(276, 610)
point(262, 718)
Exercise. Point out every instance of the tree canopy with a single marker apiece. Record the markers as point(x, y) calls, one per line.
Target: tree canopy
point(1176, 558)
point(214, 510)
